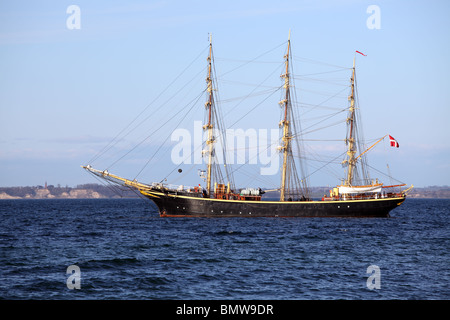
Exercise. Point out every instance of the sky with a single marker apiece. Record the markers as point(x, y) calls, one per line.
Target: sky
point(72, 81)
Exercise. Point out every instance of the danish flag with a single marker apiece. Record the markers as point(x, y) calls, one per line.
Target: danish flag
point(394, 142)
point(365, 55)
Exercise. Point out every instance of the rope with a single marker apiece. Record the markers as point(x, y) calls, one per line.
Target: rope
point(146, 164)
point(111, 143)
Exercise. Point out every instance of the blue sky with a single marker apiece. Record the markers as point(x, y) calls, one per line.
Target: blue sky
point(64, 94)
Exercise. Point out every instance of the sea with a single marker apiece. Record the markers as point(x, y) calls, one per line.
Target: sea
point(120, 249)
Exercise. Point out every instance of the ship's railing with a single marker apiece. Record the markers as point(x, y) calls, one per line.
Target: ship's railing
point(183, 188)
point(344, 197)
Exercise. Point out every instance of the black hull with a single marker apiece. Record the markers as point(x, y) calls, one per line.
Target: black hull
point(170, 205)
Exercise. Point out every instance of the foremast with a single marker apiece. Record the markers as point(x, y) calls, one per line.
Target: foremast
point(209, 125)
point(214, 128)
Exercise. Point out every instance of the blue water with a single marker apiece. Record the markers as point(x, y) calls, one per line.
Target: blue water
point(124, 250)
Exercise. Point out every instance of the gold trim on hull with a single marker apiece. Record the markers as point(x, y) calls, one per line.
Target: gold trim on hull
point(160, 194)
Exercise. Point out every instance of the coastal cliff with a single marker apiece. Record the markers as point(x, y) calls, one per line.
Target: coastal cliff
point(87, 191)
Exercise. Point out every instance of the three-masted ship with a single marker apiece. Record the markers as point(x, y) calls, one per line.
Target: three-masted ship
point(220, 198)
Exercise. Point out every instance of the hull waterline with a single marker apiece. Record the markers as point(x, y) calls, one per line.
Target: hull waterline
point(185, 206)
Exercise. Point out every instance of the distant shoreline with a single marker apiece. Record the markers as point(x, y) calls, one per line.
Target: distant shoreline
point(97, 191)
point(87, 191)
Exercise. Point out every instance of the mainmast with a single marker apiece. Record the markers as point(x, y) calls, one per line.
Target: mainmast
point(351, 160)
point(286, 138)
point(209, 126)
